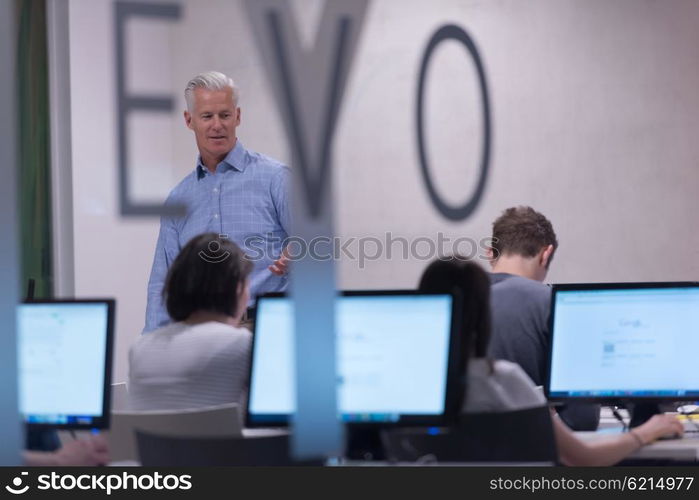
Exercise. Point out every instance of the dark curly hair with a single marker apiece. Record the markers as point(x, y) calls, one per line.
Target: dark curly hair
point(205, 276)
point(522, 231)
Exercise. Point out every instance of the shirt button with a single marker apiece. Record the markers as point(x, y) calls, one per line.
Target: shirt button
point(215, 216)
point(215, 190)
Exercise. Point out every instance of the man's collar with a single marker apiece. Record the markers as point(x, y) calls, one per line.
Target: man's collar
point(235, 159)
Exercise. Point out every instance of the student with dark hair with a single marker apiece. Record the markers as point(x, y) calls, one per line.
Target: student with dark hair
point(499, 385)
point(201, 359)
point(523, 245)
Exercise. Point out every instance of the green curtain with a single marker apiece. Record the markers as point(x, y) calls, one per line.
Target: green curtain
point(34, 147)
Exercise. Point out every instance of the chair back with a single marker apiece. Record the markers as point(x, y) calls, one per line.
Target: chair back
point(211, 421)
point(522, 436)
point(177, 451)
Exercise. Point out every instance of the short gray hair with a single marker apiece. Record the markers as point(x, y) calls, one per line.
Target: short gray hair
point(211, 80)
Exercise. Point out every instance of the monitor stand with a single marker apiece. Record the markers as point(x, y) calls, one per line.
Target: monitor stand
point(364, 443)
point(642, 412)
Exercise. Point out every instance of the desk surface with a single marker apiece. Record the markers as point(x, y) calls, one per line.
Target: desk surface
point(685, 449)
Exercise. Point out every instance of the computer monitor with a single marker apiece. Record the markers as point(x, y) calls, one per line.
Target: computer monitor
point(65, 361)
point(396, 358)
point(624, 341)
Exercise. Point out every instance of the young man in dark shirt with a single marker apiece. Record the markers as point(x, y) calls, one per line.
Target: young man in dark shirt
point(523, 245)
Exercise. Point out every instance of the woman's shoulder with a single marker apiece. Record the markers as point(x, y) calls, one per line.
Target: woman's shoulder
point(222, 332)
point(179, 335)
point(506, 379)
point(510, 369)
point(497, 368)
point(155, 338)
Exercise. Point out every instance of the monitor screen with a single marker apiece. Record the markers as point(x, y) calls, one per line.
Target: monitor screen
point(393, 358)
point(619, 341)
point(65, 362)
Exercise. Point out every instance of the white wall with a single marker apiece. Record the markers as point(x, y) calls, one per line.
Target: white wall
point(595, 109)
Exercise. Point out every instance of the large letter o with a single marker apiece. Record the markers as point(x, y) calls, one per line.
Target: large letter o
point(453, 32)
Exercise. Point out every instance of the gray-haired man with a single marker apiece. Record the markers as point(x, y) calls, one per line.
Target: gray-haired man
point(232, 191)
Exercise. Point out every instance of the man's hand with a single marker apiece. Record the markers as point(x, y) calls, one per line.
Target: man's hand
point(88, 452)
point(84, 452)
point(280, 266)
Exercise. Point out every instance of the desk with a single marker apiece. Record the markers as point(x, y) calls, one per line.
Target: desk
point(685, 449)
point(682, 450)
point(608, 421)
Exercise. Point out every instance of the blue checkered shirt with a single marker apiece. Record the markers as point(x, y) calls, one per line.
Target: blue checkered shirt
point(246, 199)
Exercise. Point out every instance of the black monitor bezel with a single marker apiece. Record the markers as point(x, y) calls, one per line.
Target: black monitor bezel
point(454, 377)
point(616, 399)
point(98, 422)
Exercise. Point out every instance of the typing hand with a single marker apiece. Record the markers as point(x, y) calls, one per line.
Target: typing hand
point(83, 452)
point(660, 426)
